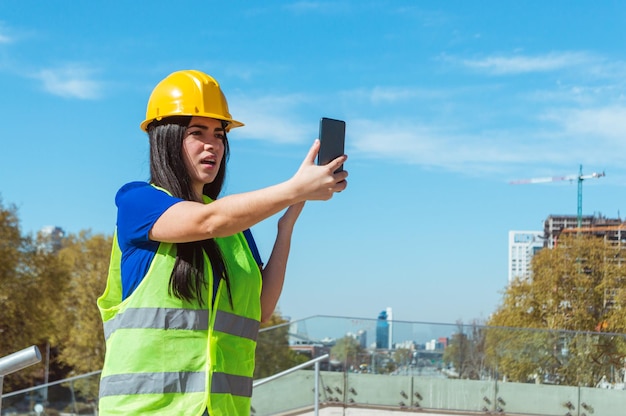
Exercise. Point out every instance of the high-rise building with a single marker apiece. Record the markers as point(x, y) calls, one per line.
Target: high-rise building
point(523, 245)
point(382, 331)
point(390, 320)
point(361, 336)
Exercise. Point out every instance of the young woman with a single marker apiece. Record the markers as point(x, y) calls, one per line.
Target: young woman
point(186, 289)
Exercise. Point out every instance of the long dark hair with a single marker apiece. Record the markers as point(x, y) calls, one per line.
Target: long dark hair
point(168, 171)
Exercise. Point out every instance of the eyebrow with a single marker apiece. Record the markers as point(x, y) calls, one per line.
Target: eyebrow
point(203, 127)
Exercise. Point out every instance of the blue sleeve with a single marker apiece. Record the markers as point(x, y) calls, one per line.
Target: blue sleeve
point(139, 205)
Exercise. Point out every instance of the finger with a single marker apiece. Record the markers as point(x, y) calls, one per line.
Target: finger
point(336, 163)
point(313, 151)
point(341, 176)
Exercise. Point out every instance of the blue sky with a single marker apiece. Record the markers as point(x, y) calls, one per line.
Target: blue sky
point(445, 104)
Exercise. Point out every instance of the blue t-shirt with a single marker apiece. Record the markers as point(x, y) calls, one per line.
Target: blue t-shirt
point(139, 206)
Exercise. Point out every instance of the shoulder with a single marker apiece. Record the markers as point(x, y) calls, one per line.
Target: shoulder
point(133, 189)
point(139, 206)
point(141, 191)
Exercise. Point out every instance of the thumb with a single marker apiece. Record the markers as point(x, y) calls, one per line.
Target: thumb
point(313, 151)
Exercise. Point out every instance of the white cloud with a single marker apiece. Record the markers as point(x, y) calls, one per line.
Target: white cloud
point(70, 82)
point(518, 151)
point(5, 38)
point(424, 145)
point(458, 141)
point(387, 95)
point(598, 125)
point(270, 118)
point(517, 64)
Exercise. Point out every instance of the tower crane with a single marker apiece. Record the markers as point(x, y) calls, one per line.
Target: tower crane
point(579, 178)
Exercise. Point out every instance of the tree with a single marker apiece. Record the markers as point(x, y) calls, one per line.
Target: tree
point(15, 332)
point(86, 258)
point(575, 286)
point(347, 351)
point(273, 354)
point(466, 352)
point(402, 356)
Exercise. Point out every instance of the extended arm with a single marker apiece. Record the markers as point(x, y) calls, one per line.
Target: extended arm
point(192, 221)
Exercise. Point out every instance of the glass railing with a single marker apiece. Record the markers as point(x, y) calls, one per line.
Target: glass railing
point(450, 367)
point(406, 365)
point(72, 396)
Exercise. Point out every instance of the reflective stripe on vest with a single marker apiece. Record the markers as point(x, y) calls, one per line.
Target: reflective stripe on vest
point(191, 319)
point(156, 383)
point(152, 383)
point(159, 318)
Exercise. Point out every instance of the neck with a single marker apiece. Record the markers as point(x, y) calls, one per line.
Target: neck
point(197, 191)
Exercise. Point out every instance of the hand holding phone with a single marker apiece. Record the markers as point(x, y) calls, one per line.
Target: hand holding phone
point(332, 141)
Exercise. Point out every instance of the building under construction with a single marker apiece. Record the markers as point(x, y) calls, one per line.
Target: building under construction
point(611, 229)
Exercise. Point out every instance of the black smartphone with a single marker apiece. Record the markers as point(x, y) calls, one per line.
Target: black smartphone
point(332, 141)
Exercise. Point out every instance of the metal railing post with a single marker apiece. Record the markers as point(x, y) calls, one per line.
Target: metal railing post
point(316, 362)
point(17, 361)
point(317, 389)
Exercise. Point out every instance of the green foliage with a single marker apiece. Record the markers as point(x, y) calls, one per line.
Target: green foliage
point(402, 356)
point(273, 354)
point(348, 352)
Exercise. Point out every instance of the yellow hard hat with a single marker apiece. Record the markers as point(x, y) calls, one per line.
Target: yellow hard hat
point(188, 93)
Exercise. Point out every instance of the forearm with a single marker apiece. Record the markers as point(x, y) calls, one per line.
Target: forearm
point(193, 221)
point(235, 213)
point(274, 273)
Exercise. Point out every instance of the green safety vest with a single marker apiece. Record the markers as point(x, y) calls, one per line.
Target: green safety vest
point(167, 356)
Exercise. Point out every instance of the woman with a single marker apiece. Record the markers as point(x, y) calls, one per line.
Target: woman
point(186, 289)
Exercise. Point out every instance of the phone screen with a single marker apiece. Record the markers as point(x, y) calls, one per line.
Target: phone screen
point(332, 139)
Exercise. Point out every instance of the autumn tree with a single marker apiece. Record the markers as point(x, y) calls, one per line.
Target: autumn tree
point(575, 287)
point(14, 279)
point(86, 256)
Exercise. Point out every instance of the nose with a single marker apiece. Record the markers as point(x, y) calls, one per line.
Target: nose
point(210, 144)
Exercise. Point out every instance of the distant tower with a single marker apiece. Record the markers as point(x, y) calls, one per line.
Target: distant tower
point(51, 238)
point(390, 320)
point(361, 336)
point(382, 331)
point(523, 245)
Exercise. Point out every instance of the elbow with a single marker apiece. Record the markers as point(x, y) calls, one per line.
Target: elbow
point(220, 228)
point(266, 315)
point(215, 229)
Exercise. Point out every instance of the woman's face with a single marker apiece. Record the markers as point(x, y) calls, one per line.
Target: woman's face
point(203, 150)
